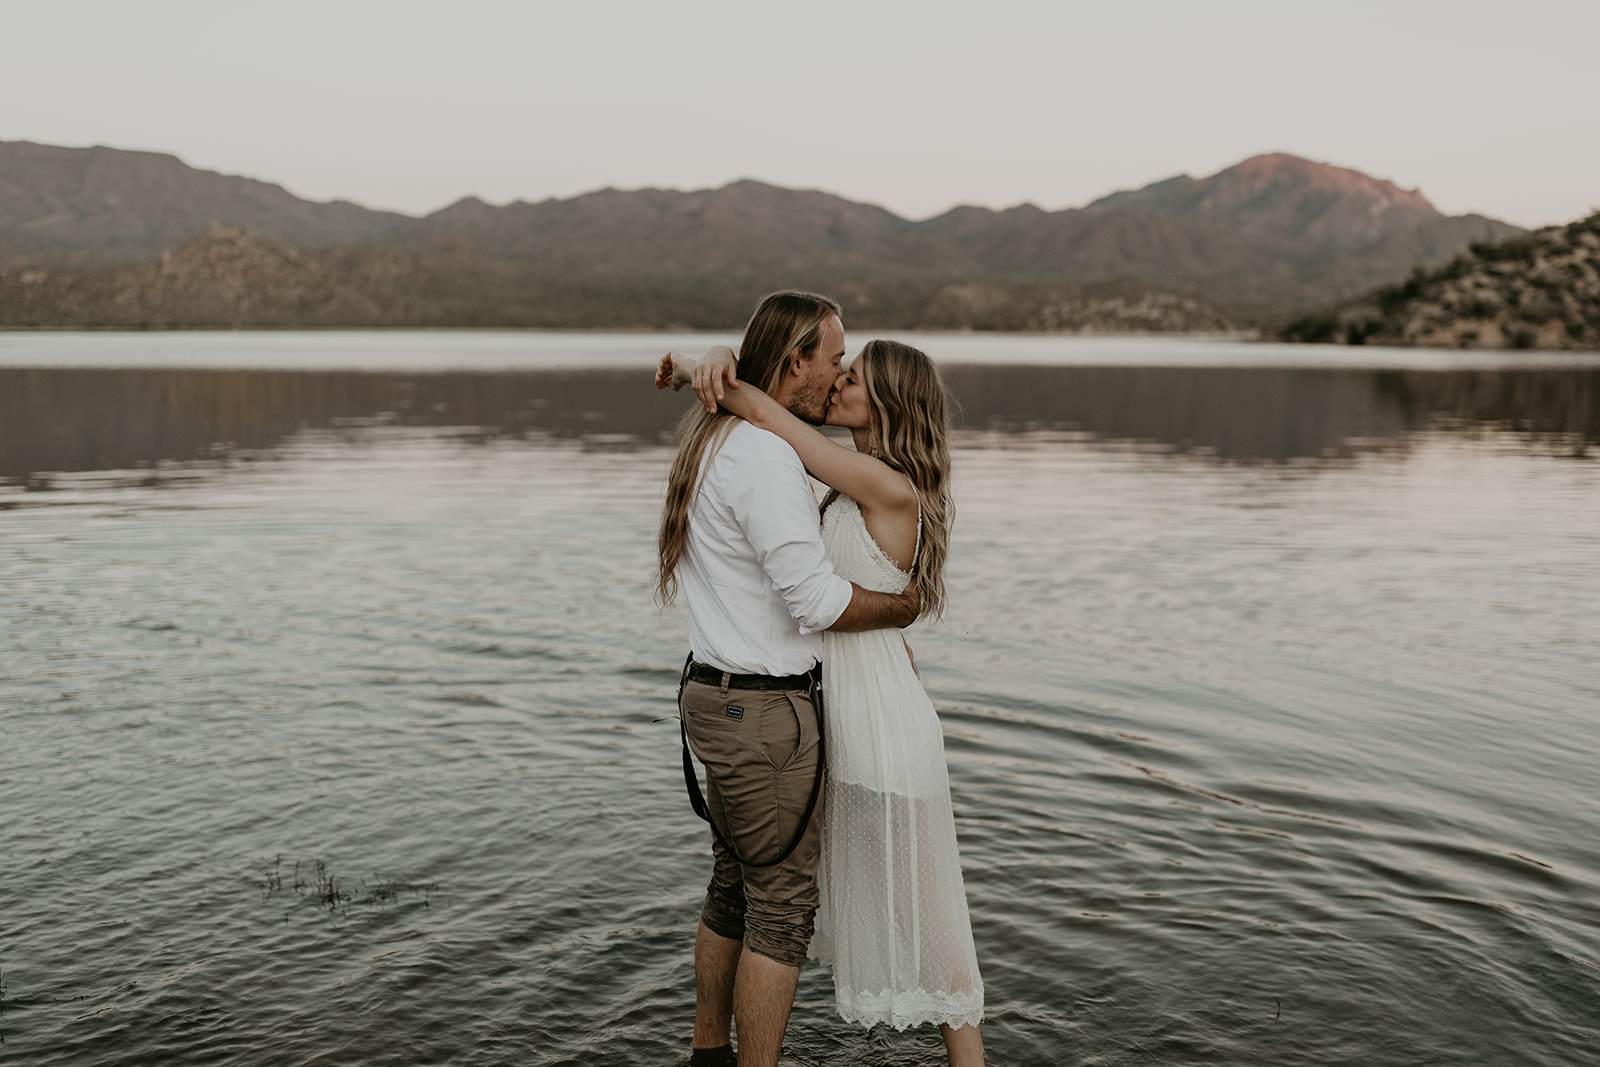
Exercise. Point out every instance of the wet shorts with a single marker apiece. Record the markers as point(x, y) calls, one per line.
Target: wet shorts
point(760, 752)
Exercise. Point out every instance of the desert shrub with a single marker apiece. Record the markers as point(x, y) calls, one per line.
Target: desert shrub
point(1356, 333)
point(1588, 225)
point(1319, 328)
point(1511, 250)
point(1541, 306)
point(1392, 298)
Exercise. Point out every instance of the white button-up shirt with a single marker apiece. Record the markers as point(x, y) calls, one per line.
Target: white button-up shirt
point(759, 584)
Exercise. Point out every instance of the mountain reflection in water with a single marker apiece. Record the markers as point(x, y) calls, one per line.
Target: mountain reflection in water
point(63, 420)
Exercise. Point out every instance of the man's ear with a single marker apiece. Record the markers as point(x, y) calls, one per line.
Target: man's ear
point(794, 358)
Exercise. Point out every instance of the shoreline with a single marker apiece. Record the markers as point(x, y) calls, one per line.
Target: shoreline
point(1244, 337)
point(1241, 336)
point(540, 351)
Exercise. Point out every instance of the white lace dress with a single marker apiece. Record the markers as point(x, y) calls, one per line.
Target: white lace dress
point(893, 920)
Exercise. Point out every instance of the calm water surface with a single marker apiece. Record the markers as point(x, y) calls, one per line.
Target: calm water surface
point(329, 706)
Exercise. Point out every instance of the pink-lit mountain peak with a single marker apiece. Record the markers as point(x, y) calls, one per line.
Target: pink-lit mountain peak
point(1334, 208)
point(1279, 171)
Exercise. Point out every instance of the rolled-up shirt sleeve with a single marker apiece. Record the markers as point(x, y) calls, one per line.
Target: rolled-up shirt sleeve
point(771, 499)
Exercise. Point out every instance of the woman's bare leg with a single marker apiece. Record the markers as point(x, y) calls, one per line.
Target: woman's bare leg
point(964, 1045)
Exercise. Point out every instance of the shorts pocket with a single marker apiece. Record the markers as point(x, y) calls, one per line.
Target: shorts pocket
point(799, 737)
point(715, 737)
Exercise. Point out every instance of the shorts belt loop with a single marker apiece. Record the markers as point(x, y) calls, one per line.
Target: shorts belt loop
point(725, 677)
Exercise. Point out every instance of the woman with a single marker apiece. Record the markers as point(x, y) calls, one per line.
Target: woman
point(893, 920)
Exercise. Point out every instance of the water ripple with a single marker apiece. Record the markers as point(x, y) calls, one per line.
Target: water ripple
point(1251, 764)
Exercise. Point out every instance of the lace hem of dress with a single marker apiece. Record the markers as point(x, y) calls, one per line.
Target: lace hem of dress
point(914, 1008)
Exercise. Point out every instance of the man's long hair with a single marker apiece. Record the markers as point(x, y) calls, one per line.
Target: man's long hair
point(910, 429)
point(785, 324)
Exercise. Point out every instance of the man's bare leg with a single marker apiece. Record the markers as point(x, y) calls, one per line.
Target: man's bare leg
point(964, 1045)
point(716, 961)
point(762, 997)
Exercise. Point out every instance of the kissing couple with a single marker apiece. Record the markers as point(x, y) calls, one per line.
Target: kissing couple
point(832, 831)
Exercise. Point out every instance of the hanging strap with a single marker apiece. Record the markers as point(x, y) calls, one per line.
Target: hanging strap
point(692, 781)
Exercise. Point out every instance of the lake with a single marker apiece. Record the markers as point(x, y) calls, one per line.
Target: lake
point(334, 706)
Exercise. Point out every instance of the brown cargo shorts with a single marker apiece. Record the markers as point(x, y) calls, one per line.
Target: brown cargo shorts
point(760, 749)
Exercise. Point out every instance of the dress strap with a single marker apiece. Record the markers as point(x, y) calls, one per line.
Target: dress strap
point(916, 549)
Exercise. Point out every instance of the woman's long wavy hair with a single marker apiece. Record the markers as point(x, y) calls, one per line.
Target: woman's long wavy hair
point(910, 432)
point(786, 323)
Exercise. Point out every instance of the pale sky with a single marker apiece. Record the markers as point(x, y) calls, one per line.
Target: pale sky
point(1487, 107)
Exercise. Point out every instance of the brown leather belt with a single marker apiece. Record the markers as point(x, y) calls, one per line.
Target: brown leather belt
point(706, 674)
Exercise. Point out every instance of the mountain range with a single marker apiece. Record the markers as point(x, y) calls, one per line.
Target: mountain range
point(101, 236)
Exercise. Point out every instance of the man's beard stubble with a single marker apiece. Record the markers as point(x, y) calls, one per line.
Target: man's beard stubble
point(810, 403)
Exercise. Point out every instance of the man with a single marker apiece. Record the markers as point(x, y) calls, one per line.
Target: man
point(740, 531)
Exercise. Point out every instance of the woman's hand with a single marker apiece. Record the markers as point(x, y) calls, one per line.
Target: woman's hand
point(674, 371)
point(720, 366)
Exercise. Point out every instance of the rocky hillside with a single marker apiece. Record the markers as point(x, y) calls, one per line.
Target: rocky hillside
point(108, 204)
point(1539, 290)
point(227, 277)
point(231, 278)
point(1091, 310)
point(1246, 246)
